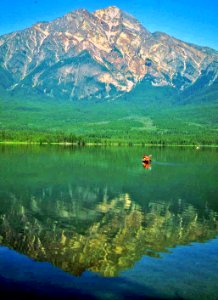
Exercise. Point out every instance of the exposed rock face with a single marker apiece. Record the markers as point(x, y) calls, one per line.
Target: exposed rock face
point(103, 54)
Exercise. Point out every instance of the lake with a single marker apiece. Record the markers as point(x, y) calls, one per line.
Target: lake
point(93, 222)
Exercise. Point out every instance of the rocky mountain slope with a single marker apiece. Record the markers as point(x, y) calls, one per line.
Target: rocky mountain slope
point(102, 54)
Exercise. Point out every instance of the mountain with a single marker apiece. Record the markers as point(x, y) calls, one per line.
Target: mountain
point(102, 55)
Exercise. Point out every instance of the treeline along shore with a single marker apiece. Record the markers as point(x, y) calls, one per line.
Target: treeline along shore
point(49, 137)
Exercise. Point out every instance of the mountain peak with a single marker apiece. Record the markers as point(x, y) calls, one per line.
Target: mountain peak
point(110, 10)
point(108, 13)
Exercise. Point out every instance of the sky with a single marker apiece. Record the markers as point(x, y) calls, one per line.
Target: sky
point(192, 21)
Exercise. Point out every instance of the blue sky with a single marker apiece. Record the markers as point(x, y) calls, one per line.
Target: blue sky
point(193, 21)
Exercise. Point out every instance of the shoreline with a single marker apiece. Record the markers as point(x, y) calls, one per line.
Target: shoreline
point(112, 144)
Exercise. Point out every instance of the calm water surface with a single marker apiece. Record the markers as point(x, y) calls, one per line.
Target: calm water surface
point(93, 222)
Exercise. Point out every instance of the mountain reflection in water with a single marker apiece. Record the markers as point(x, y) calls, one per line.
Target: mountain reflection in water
point(87, 209)
point(108, 238)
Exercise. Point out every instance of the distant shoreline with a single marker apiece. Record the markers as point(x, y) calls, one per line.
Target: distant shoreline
point(112, 144)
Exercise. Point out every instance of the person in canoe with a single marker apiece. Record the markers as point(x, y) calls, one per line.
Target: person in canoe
point(146, 159)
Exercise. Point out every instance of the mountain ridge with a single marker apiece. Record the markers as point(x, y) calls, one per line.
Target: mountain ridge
point(99, 55)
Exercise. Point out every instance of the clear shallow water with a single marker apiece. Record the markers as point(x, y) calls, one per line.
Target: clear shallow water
point(93, 221)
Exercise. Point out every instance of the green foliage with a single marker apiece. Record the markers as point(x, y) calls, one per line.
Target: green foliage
point(146, 115)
